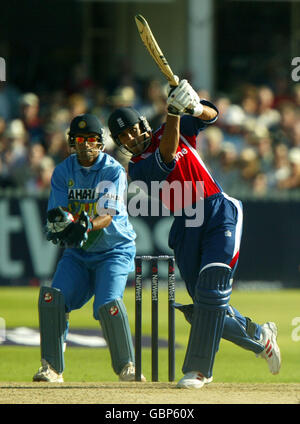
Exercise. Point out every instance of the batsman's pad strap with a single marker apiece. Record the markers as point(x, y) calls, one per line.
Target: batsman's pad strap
point(241, 332)
point(52, 318)
point(115, 325)
point(233, 330)
point(187, 311)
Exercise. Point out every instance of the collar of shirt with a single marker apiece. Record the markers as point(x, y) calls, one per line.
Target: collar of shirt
point(95, 167)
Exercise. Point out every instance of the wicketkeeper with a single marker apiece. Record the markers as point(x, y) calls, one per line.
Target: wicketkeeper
point(206, 254)
point(87, 216)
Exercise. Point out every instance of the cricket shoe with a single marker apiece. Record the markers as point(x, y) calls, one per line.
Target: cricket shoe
point(128, 373)
point(193, 380)
point(271, 352)
point(48, 374)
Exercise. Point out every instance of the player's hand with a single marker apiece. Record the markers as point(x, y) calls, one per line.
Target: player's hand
point(58, 225)
point(78, 232)
point(184, 99)
point(195, 107)
point(172, 87)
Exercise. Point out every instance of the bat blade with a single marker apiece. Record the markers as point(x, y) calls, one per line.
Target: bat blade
point(154, 49)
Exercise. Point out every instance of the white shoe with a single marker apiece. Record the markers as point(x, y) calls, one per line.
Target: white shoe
point(271, 352)
point(193, 380)
point(128, 373)
point(46, 373)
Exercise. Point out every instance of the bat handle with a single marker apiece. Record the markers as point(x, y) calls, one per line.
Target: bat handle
point(174, 81)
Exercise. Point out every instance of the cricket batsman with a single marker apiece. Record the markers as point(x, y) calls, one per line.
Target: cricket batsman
point(207, 253)
point(87, 216)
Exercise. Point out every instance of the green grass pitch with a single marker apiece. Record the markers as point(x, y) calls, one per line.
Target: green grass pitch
point(18, 307)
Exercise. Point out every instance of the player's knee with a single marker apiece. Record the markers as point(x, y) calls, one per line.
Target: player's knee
point(110, 305)
point(214, 287)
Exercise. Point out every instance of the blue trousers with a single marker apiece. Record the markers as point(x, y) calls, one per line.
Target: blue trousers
point(81, 275)
point(215, 242)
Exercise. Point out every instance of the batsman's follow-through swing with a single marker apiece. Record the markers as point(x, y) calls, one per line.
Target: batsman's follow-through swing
point(206, 254)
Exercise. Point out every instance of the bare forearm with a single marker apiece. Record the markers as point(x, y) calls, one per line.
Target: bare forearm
point(102, 221)
point(207, 114)
point(170, 139)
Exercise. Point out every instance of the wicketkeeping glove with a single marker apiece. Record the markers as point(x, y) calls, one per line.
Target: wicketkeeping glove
point(77, 233)
point(58, 224)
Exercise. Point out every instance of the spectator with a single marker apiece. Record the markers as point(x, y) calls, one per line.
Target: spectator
point(267, 114)
point(101, 108)
point(9, 96)
point(250, 101)
point(153, 103)
point(295, 135)
point(281, 166)
point(283, 131)
point(249, 168)
point(261, 140)
point(57, 146)
point(232, 125)
point(292, 182)
point(77, 105)
point(30, 167)
point(123, 96)
point(211, 146)
point(222, 103)
point(40, 182)
point(260, 185)
point(30, 108)
point(228, 171)
point(15, 152)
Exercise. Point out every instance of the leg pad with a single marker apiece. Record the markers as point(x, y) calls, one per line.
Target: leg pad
point(52, 318)
point(114, 322)
point(212, 295)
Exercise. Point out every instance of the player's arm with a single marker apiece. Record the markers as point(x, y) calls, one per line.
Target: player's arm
point(170, 138)
point(100, 222)
point(180, 98)
point(208, 114)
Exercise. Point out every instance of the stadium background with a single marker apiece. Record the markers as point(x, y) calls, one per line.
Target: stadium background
point(68, 57)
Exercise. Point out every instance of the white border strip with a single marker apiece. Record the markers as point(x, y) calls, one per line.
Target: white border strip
point(238, 230)
point(214, 264)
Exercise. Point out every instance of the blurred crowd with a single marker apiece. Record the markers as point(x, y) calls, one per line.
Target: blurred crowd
point(252, 150)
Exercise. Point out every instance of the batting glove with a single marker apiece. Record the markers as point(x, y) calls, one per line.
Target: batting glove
point(184, 99)
point(172, 87)
point(195, 108)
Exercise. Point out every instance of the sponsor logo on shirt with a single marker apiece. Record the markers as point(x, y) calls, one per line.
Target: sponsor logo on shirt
point(111, 196)
point(81, 194)
point(180, 154)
